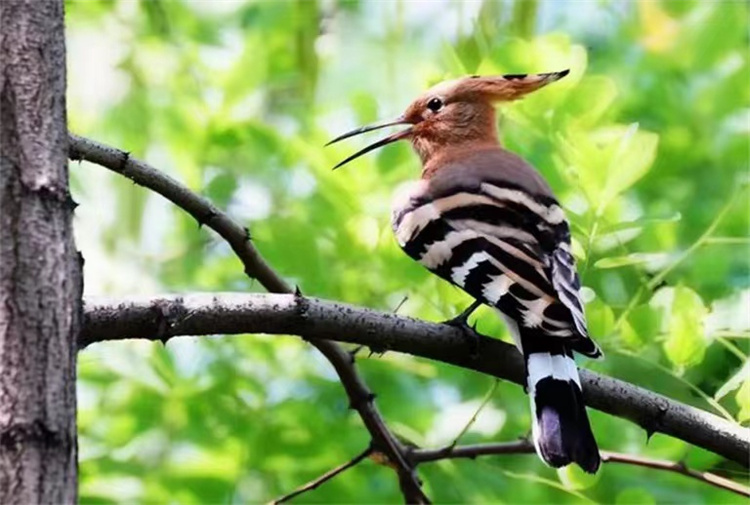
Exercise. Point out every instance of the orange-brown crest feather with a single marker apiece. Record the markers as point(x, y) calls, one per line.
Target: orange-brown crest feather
point(455, 114)
point(503, 87)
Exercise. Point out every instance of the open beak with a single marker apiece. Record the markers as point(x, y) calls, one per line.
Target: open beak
point(380, 143)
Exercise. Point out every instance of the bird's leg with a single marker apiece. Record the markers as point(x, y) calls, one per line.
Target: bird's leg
point(463, 318)
point(470, 334)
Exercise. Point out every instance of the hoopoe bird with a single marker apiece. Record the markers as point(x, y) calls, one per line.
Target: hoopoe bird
point(485, 220)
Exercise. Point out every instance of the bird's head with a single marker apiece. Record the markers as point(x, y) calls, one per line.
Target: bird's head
point(454, 113)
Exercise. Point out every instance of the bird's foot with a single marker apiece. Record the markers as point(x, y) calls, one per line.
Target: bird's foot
point(470, 334)
point(463, 318)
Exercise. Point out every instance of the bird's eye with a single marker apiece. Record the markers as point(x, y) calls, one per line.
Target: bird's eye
point(435, 104)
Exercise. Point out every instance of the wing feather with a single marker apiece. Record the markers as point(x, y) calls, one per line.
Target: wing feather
point(505, 247)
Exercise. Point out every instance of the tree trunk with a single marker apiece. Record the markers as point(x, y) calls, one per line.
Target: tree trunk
point(40, 271)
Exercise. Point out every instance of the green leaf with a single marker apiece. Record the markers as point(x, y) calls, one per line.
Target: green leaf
point(631, 259)
point(221, 188)
point(600, 318)
point(686, 342)
point(640, 223)
point(640, 326)
point(742, 375)
point(572, 477)
point(579, 251)
point(632, 495)
point(593, 97)
point(630, 336)
point(633, 157)
point(607, 161)
point(743, 400)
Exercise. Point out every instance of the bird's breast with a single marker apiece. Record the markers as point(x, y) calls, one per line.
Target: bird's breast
point(407, 197)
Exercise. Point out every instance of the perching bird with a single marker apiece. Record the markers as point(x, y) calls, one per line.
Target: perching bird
point(483, 219)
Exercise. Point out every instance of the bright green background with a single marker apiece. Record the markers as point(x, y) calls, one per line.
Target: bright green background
point(645, 143)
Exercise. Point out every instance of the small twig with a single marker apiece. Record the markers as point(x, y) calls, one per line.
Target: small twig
point(472, 451)
point(656, 280)
point(670, 466)
point(525, 447)
point(238, 237)
point(401, 304)
point(313, 484)
point(482, 405)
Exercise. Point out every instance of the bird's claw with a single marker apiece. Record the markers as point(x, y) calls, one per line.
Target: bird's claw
point(462, 319)
point(469, 333)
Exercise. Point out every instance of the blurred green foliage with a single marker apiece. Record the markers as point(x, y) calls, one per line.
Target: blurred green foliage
point(645, 143)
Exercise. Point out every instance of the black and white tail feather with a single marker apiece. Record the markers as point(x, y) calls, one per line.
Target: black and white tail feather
point(560, 427)
point(490, 225)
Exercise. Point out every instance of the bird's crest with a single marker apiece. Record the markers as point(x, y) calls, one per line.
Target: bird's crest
point(455, 112)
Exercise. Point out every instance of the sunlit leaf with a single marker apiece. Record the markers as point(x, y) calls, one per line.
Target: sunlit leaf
point(572, 477)
point(630, 259)
point(600, 318)
point(633, 155)
point(684, 314)
point(743, 400)
point(640, 223)
point(742, 375)
point(641, 326)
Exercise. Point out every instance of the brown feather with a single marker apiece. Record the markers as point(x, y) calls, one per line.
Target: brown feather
point(473, 164)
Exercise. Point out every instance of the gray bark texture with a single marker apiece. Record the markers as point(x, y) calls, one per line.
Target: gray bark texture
point(160, 318)
point(40, 270)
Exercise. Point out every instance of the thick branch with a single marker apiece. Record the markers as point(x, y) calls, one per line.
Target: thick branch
point(40, 268)
point(156, 318)
point(238, 237)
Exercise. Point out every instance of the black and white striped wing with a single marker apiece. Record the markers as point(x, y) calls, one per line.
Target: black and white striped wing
point(505, 247)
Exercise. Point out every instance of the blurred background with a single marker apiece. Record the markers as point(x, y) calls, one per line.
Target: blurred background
point(645, 143)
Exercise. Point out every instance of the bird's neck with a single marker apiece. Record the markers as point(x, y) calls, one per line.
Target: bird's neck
point(445, 155)
point(466, 133)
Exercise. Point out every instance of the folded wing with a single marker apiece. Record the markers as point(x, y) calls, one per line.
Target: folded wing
point(505, 246)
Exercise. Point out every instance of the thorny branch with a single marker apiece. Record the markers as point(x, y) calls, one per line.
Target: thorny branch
point(525, 447)
point(315, 319)
point(360, 397)
point(330, 474)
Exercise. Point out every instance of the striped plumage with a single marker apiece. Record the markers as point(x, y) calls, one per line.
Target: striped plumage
point(489, 224)
point(483, 219)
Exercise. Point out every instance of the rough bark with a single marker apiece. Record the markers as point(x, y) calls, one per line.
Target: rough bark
point(40, 271)
point(162, 317)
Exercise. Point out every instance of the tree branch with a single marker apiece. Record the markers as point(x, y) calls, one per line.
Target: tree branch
point(360, 397)
point(419, 456)
point(525, 447)
point(330, 474)
point(228, 313)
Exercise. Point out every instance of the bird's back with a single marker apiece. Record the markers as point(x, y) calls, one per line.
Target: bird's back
point(487, 221)
point(471, 166)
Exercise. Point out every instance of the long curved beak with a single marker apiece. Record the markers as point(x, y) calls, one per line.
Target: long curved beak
point(380, 143)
